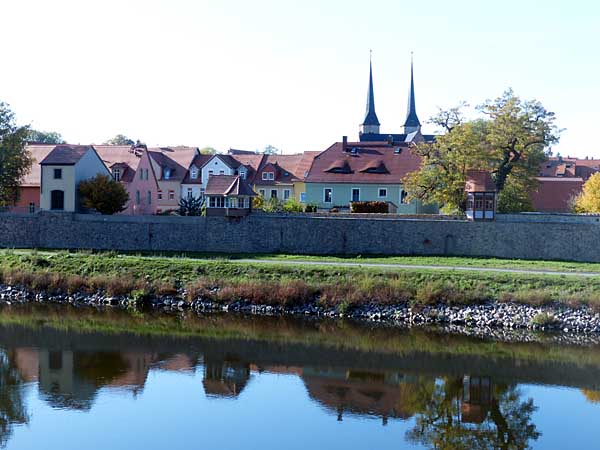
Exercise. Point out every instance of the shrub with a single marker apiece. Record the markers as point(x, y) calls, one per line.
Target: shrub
point(310, 208)
point(103, 194)
point(272, 205)
point(543, 320)
point(369, 207)
point(292, 205)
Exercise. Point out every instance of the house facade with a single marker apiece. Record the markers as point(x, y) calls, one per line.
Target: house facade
point(61, 172)
point(228, 195)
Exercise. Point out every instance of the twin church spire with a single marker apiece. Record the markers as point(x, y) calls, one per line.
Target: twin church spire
point(371, 124)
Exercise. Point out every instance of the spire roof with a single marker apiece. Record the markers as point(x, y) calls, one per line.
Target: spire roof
point(411, 113)
point(370, 116)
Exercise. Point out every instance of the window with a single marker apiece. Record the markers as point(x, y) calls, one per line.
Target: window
point(244, 202)
point(57, 200)
point(221, 172)
point(286, 194)
point(355, 195)
point(268, 175)
point(232, 202)
point(201, 192)
point(189, 193)
point(216, 202)
point(261, 192)
point(478, 202)
point(149, 197)
point(273, 193)
point(243, 174)
point(210, 172)
point(403, 197)
point(31, 208)
point(58, 174)
point(171, 195)
point(303, 197)
point(146, 173)
point(327, 194)
point(194, 173)
point(159, 195)
point(382, 192)
point(167, 173)
point(137, 197)
point(116, 174)
point(470, 202)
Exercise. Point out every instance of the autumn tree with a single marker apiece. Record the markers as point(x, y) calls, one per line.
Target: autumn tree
point(120, 139)
point(589, 199)
point(509, 136)
point(15, 161)
point(208, 151)
point(45, 137)
point(103, 194)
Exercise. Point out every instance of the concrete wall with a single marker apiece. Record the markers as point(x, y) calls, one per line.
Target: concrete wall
point(263, 233)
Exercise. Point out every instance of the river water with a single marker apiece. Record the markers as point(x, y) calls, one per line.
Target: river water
point(249, 383)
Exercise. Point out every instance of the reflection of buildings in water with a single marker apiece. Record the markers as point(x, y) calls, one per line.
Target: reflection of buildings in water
point(225, 378)
point(71, 379)
point(383, 394)
point(476, 399)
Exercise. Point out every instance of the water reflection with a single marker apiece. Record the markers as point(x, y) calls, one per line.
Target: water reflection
point(445, 402)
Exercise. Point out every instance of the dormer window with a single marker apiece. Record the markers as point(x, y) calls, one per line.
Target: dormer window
point(167, 173)
point(268, 176)
point(116, 173)
point(194, 173)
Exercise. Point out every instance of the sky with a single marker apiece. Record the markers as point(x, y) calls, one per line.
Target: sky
point(293, 74)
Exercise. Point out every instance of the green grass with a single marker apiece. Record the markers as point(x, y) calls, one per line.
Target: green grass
point(283, 283)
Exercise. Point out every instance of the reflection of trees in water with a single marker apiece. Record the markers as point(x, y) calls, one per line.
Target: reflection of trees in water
point(454, 415)
point(591, 396)
point(12, 406)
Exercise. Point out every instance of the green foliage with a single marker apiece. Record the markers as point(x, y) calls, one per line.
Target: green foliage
point(510, 138)
point(191, 206)
point(369, 207)
point(514, 198)
point(272, 205)
point(208, 151)
point(15, 161)
point(103, 194)
point(543, 319)
point(271, 150)
point(120, 139)
point(292, 205)
point(258, 202)
point(310, 208)
point(589, 199)
point(45, 137)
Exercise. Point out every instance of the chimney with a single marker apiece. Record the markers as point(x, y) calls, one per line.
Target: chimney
point(344, 143)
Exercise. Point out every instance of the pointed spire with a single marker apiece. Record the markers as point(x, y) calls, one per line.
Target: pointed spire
point(370, 116)
point(412, 121)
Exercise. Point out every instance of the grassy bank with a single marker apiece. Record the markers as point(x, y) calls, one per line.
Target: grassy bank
point(273, 283)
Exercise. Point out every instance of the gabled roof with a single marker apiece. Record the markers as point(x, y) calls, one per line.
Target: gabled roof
point(199, 161)
point(38, 152)
point(66, 155)
point(569, 167)
point(398, 161)
point(252, 162)
point(228, 185)
point(178, 159)
point(479, 181)
point(289, 168)
point(122, 156)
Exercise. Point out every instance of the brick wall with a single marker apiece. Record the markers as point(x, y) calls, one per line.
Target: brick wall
point(304, 234)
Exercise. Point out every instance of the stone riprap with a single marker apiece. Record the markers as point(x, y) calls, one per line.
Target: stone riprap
point(304, 234)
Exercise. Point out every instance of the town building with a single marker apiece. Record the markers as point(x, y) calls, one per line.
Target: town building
point(61, 172)
point(228, 195)
point(481, 195)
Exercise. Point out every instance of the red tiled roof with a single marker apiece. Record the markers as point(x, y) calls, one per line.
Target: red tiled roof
point(479, 181)
point(198, 161)
point(555, 194)
point(38, 153)
point(178, 159)
point(65, 155)
point(569, 167)
point(228, 185)
point(253, 162)
point(122, 155)
point(288, 168)
point(398, 160)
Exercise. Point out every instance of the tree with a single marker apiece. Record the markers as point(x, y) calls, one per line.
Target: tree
point(120, 139)
point(589, 199)
point(208, 151)
point(510, 137)
point(514, 197)
point(45, 137)
point(103, 194)
point(15, 161)
point(191, 206)
point(271, 150)
point(292, 206)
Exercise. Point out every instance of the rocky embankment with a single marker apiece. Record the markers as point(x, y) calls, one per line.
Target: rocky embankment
point(506, 321)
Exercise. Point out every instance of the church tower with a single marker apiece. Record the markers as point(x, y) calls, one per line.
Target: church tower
point(371, 123)
point(412, 123)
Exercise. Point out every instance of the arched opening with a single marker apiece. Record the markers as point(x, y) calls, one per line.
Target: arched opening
point(57, 200)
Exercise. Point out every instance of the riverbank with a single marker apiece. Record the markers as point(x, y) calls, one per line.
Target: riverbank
point(482, 301)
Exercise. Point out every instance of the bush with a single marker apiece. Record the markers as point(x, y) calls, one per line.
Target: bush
point(292, 205)
point(544, 320)
point(369, 207)
point(272, 205)
point(103, 194)
point(310, 208)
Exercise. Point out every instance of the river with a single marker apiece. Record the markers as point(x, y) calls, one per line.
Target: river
point(273, 383)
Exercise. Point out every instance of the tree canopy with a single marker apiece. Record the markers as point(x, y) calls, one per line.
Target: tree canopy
point(15, 161)
point(103, 194)
point(45, 137)
point(208, 151)
point(589, 199)
point(120, 139)
point(271, 150)
point(508, 136)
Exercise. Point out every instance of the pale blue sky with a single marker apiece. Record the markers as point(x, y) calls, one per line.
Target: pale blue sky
point(292, 74)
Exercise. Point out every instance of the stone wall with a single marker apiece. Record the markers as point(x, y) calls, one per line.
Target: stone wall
point(262, 233)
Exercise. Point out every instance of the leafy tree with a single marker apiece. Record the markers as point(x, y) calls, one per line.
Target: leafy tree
point(589, 199)
point(120, 139)
point(258, 202)
point(271, 150)
point(191, 206)
point(514, 197)
point(510, 137)
point(45, 137)
point(103, 194)
point(12, 404)
point(292, 205)
point(208, 151)
point(15, 161)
